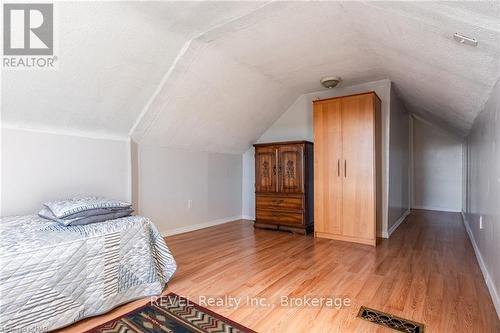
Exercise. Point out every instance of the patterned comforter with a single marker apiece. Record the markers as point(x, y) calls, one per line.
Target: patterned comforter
point(52, 275)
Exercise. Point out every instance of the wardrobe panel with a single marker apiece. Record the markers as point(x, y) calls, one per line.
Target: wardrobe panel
point(266, 169)
point(290, 169)
point(327, 167)
point(358, 134)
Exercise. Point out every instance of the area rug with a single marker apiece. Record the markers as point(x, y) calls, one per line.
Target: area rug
point(171, 313)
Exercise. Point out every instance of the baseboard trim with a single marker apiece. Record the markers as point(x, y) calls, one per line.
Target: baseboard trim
point(365, 241)
point(248, 217)
point(402, 218)
point(439, 209)
point(189, 228)
point(486, 275)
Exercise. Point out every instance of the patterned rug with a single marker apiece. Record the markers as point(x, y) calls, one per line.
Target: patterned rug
point(171, 313)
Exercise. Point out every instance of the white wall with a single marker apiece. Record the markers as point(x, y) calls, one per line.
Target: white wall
point(248, 186)
point(297, 124)
point(483, 192)
point(169, 177)
point(38, 167)
point(437, 168)
point(399, 163)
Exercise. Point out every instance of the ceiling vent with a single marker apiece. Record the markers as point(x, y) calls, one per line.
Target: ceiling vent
point(330, 81)
point(462, 39)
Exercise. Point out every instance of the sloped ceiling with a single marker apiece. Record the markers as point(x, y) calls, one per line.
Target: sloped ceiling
point(112, 56)
point(215, 75)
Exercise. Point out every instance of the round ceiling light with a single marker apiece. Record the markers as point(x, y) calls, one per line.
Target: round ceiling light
point(330, 81)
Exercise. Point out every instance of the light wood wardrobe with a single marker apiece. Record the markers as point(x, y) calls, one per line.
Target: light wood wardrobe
point(347, 168)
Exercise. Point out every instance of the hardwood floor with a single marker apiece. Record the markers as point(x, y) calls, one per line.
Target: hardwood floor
point(427, 272)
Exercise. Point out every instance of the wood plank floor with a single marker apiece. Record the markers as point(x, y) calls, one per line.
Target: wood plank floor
point(426, 272)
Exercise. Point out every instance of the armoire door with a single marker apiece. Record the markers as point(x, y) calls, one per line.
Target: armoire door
point(290, 169)
point(266, 169)
point(327, 167)
point(358, 188)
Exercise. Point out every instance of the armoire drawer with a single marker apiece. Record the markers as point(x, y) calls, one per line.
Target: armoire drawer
point(280, 203)
point(280, 217)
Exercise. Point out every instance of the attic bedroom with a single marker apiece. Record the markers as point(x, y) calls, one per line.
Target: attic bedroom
point(250, 166)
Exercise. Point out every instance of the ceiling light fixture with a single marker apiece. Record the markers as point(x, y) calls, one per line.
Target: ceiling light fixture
point(462, 39)
point(330, 81)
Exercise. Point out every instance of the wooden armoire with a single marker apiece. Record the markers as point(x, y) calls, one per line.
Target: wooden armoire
point(347, 168)
point(284, 186)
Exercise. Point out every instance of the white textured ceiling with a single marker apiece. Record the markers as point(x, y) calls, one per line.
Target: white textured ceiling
point(215, 75)
point(112, 56)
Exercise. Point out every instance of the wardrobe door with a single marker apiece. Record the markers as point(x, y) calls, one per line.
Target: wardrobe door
point(290, 169)
point(327, 167)
point(266, 169)
point(358, 169)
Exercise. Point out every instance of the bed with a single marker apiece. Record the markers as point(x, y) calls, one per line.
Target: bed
point(53, 275)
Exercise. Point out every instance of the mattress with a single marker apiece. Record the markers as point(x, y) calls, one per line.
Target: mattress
point(52, 275)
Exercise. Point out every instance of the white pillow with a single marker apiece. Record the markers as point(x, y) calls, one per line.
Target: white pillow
point(72, 207)
point(47, 214)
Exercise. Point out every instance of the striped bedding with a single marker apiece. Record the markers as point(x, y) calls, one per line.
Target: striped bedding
point(52, 275)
